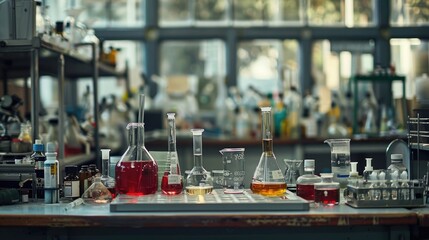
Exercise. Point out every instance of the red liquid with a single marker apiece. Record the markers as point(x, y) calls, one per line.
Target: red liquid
point(305, 191)
point(170, 189)
point(327, 196)
point(136, 178)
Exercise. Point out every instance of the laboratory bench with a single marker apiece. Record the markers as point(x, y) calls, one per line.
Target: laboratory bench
point(40, 221)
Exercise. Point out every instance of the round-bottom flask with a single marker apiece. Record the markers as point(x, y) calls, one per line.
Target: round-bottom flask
point(199, 180)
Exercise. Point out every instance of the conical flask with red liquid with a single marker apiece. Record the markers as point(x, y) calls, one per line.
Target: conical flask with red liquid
point(136, 173)
point(172, 181)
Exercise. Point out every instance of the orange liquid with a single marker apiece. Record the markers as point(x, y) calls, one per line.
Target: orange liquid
point(269, 189)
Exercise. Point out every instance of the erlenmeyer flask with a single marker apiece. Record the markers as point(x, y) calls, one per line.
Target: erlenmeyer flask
point(199, 181)
point(268, 179)
point(97, 194)
point(172, 181)
point(136, 173)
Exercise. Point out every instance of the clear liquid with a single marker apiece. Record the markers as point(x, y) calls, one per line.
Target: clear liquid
point(269, 189)
point(136, 177)
point(195, 190)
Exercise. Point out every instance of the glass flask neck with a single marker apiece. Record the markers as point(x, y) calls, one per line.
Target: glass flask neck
point(267, 138)
point(105, 167)
point(136, 134)
point(198, 147)
point(171, 133)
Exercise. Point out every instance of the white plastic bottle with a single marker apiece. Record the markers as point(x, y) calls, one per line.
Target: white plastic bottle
point(52, 179)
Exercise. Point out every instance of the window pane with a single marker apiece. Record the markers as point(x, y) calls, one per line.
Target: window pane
point(175, 12)
point(362, 12)
point(411, 58)
point(191, 73)
point(100, 13)
point(326, 12)
point(335, 62)
point(210, 10)
point(258, 64)
point(284, 11)
point(249, 11)
point(409, 12)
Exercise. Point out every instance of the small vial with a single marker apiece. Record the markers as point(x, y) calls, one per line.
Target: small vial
point(405, 187)
point(395, 186)
point(374, 192)
point(71, 182)
point(385, 193)
point(368, 169)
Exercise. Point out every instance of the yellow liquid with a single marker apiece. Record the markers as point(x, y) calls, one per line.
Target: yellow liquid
point(195, 190)
point(273, 189)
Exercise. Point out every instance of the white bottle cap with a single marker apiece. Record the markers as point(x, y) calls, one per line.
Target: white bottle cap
point(105, 153)
point(397, 157)
point(368, 166)
point(38, 141)
point(353, 172)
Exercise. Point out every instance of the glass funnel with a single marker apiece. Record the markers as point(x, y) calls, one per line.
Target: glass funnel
point(97, 194)
point(199, 181)
point(172, 181)
point(268, 179)
point(136, 173)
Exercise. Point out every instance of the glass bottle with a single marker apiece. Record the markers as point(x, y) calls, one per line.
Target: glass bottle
point(136, 173)
point(39, 158)
point(71, 182)
point(25, 137)
point(327, 192)
point(268, 179)
point(199, 181)
point(106, 179)
point(305, 183)
point(374, 192)
point(84, 176)
point(397, 163)
point(385, 193)
point(172, 181)
point(97, 194)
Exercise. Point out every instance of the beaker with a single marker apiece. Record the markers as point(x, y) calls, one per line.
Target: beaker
point(137, 172)
point(292, 172)
point(199, 181)
point(340, 159)
point(268, 179)
point(233, 169)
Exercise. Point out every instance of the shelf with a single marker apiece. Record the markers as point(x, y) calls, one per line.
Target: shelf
point(421, 146)
point(14, 154)
point(17, 65)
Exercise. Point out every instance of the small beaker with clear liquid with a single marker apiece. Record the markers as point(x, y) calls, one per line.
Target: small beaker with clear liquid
point(340, 159)
point(293, 171)
point(233, 169)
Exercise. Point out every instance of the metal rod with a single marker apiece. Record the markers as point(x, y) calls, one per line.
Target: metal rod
point(61, 108)
point(35, 93)
point(95, 99)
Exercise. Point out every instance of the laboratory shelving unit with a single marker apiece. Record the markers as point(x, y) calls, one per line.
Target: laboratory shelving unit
point(40, 57)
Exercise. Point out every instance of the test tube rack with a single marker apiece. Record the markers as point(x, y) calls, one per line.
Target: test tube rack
point(356, 196)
